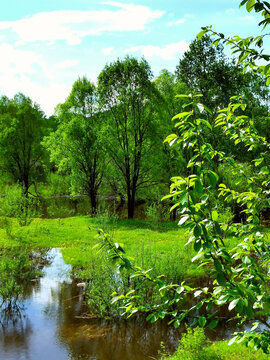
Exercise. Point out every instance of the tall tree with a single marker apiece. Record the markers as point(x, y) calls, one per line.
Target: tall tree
point(128, 94)
point(22, 127)
point(76, 145)
point(172, 161)
point(206, 70)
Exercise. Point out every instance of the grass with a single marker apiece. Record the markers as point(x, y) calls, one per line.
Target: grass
point(160, 246)
point(150, 244)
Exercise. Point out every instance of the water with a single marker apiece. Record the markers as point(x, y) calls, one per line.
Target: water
point(55, 325)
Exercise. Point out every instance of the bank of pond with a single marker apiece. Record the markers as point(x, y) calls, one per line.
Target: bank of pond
point(45, 314)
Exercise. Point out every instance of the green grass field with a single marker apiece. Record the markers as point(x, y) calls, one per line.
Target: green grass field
point(160, 246)
point(151, 244)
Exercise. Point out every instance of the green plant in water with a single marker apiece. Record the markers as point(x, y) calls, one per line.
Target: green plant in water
point(17, 268)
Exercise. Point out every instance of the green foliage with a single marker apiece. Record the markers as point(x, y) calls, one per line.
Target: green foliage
point(76, 145)
point(194, 345)
point(15, 203)
point(101, 281)
point(240, 275)
point(22, 127)
point(206, 70)
point(16, 269)
point(128, 94)
point(157, 211)
point(56, 184)
point(249, 50)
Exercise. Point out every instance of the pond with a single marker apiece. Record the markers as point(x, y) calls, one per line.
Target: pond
point(54, 325)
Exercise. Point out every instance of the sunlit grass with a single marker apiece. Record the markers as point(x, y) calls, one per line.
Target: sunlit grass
point(160, 246)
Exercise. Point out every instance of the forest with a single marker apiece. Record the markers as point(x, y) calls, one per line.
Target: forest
point(156, 190)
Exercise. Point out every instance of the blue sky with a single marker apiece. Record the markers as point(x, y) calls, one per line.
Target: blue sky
point(45, 45)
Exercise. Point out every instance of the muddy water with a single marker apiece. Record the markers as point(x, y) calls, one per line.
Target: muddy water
point(54, 325)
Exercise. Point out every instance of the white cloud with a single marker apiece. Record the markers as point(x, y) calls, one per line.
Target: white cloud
point(72, 25)
point(47, 96)
point(66, 64)
point(14, 62)
point(177, 22)
point(247, 18)
point(168, 52)
point(108, 50)
point(18, 70)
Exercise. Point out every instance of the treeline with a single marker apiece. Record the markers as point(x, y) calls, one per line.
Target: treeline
point(108, 138)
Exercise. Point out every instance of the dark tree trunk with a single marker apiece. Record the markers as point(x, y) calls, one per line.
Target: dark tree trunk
point(93, 200)
point(131, 207)
point(131, 203)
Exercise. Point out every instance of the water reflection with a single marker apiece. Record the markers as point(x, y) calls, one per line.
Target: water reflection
point(55, 325)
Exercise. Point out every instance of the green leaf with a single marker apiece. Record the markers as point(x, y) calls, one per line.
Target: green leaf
point(217, 265)
point(182, 96)
point(197, 257)
point(202, 321)
point(232, 340)
point(197, 230)
point(250, 5)
point(180, 289)
point(213, 178)
point(183, 197)
point(221, 278)
point(199, 186)
point(215, 215)
point(197, 246)
point(183, 219)
point(233, 304)
point(213, 323)
point(201, 33)
point(206, 123)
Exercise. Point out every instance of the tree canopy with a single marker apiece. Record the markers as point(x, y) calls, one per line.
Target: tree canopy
point(128, 94)
point(77, 144)
point(22, 127)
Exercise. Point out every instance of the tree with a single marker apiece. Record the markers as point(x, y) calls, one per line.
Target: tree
point(77, 144)
point(240, 274)
point(206, 70)
point(22, 127)
point(127, 93)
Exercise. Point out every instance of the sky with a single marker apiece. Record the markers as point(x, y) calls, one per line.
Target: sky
point(45, 45)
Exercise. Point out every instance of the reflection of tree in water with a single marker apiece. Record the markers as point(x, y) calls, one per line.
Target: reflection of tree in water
point(92, 338)
point(15, 332)
point(85, 337)
point(19, 269)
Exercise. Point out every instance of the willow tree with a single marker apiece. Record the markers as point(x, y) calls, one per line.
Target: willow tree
point(128, 95)
point(76, 145)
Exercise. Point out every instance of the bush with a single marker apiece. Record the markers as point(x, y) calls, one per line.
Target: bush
point(195, 346)
point(101, 281)
point(16, 204)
